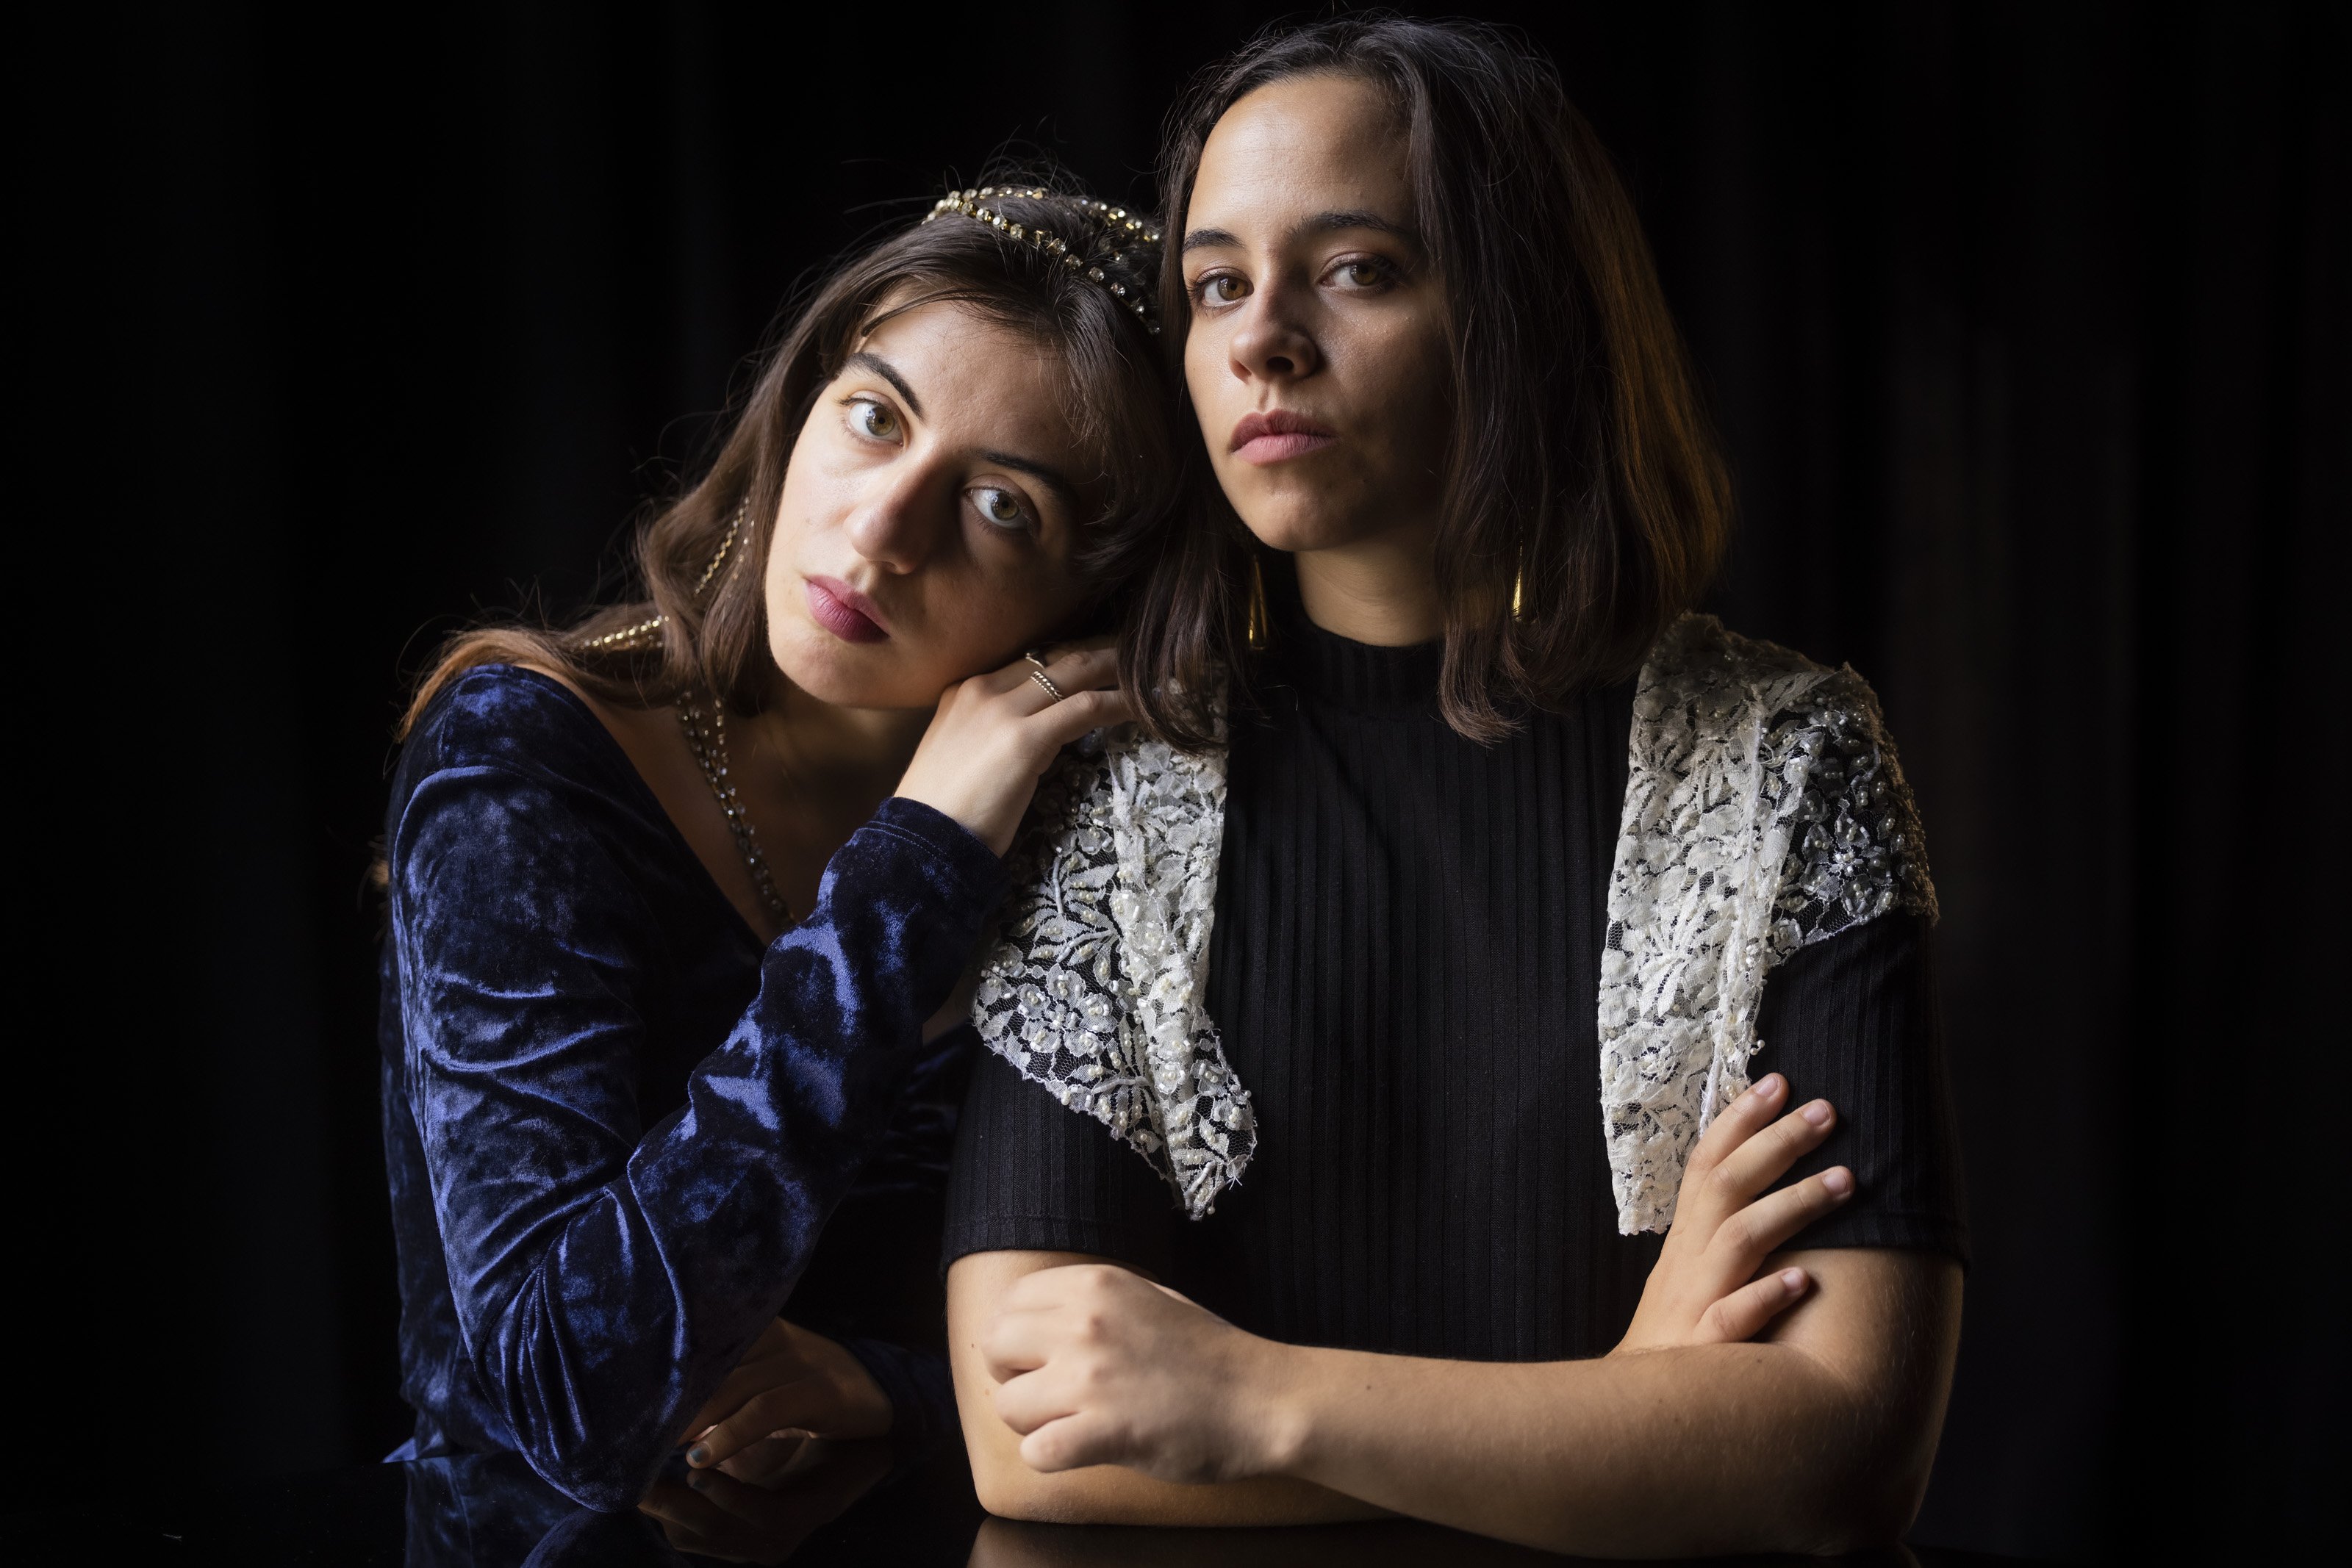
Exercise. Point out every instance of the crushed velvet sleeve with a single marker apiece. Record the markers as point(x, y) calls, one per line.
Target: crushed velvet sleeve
point(605, 1275)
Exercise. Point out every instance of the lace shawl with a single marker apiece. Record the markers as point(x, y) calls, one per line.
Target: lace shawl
point(1764, 810)
point(1097, 988)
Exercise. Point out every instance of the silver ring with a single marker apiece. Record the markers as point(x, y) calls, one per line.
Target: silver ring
point(1046, 681)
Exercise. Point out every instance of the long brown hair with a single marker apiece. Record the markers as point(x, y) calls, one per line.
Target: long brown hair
point(1581, 469)
point(713, 635)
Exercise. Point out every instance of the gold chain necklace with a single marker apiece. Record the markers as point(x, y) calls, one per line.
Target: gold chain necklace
point(708, 741)
point(704, 719)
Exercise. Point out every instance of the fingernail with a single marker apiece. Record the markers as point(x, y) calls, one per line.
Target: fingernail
point(699, 1480)
point(1840, 1181)
point(698, 1455)
point(1769, 1086)
point(1792, 1280)
point(1818, 1113)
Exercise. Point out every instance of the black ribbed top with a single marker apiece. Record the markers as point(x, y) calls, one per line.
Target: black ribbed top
point(1405, 968)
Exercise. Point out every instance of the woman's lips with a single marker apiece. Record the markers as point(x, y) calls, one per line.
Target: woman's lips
point(843, 611)
point(1277, 436)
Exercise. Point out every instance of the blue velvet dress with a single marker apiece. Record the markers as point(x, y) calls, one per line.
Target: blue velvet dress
point(623, 1136)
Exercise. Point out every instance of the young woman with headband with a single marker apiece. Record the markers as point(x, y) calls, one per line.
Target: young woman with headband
point(1360, 1025)
point(671, 894)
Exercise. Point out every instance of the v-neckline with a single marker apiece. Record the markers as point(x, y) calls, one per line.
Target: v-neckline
point(647, 799)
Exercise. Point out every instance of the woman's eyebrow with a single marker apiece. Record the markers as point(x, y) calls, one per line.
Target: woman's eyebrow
point(1321, 223)
point(889, 373)
point(1067, 492)
point(1353, 218)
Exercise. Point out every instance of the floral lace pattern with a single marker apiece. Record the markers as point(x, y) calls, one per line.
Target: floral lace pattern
point(1764, 810)
point(1096, 988)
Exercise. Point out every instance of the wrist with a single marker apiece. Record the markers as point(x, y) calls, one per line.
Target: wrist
point(865, 1405)
point(1281, 1405)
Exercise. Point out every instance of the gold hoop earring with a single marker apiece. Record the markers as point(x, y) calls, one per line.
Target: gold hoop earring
point(1256, 630)
point(1519, 586)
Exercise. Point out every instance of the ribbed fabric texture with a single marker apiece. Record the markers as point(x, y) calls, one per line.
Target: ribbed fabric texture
point(1405, 968)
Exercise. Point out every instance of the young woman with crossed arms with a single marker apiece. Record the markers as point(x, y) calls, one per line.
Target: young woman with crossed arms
point(1475, 768)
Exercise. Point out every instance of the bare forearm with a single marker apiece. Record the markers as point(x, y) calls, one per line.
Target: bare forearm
point(1674, 1452)
point(1671, 1453)
point(1819, 1438)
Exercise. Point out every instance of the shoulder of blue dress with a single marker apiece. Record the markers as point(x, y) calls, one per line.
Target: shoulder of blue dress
point(503, 714)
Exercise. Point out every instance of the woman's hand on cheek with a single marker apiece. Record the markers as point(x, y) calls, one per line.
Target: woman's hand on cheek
point(1097, 1366)
point(995, 735)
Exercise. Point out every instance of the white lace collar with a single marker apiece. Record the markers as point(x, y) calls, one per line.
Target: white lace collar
point(1764, 810)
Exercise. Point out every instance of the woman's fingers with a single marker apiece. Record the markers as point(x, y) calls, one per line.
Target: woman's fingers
point(1091, 698)
point(1069, 1443)
point(1031, 1399)
point(771, 1458)
point(1072, 675)
point(795, 1408)
point(1080, 713)
point(1742, 1314)
point(1076, 667)
point(1757, 1231)
point(1020, 1338)
point(1733, 1125)
point(1765, 1157)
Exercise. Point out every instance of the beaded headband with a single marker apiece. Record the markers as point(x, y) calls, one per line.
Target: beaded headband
point(1125, 234)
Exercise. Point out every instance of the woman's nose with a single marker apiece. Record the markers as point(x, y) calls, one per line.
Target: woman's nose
point(1270, 344)
point(895, 524)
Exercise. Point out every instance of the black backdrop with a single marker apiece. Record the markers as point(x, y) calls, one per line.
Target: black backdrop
point(2024, 324)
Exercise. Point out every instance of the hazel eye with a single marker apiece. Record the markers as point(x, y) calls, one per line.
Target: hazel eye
point(873, 418)
point(1222, 288)
point(1360, 274)
point(1001, 507)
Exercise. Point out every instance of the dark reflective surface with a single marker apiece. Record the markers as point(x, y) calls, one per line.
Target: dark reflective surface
point(490, 1512)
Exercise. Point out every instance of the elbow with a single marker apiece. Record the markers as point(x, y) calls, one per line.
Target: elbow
point(1863, 1524)
point(1867, 1505)
point(599, 1441)
point(1011, 1489)
point(605, 1465)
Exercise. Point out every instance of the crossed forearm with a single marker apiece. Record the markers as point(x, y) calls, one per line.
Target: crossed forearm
point(1819, 1439)
point(1676, 1452)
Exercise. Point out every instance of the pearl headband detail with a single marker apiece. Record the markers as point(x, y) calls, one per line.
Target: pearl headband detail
point(1121, 231)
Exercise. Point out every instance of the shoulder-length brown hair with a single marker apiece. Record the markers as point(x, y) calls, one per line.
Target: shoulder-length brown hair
point(713, 630)
point(1581, 470)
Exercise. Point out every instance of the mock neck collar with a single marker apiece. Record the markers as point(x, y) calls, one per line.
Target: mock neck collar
point(1324, 667)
